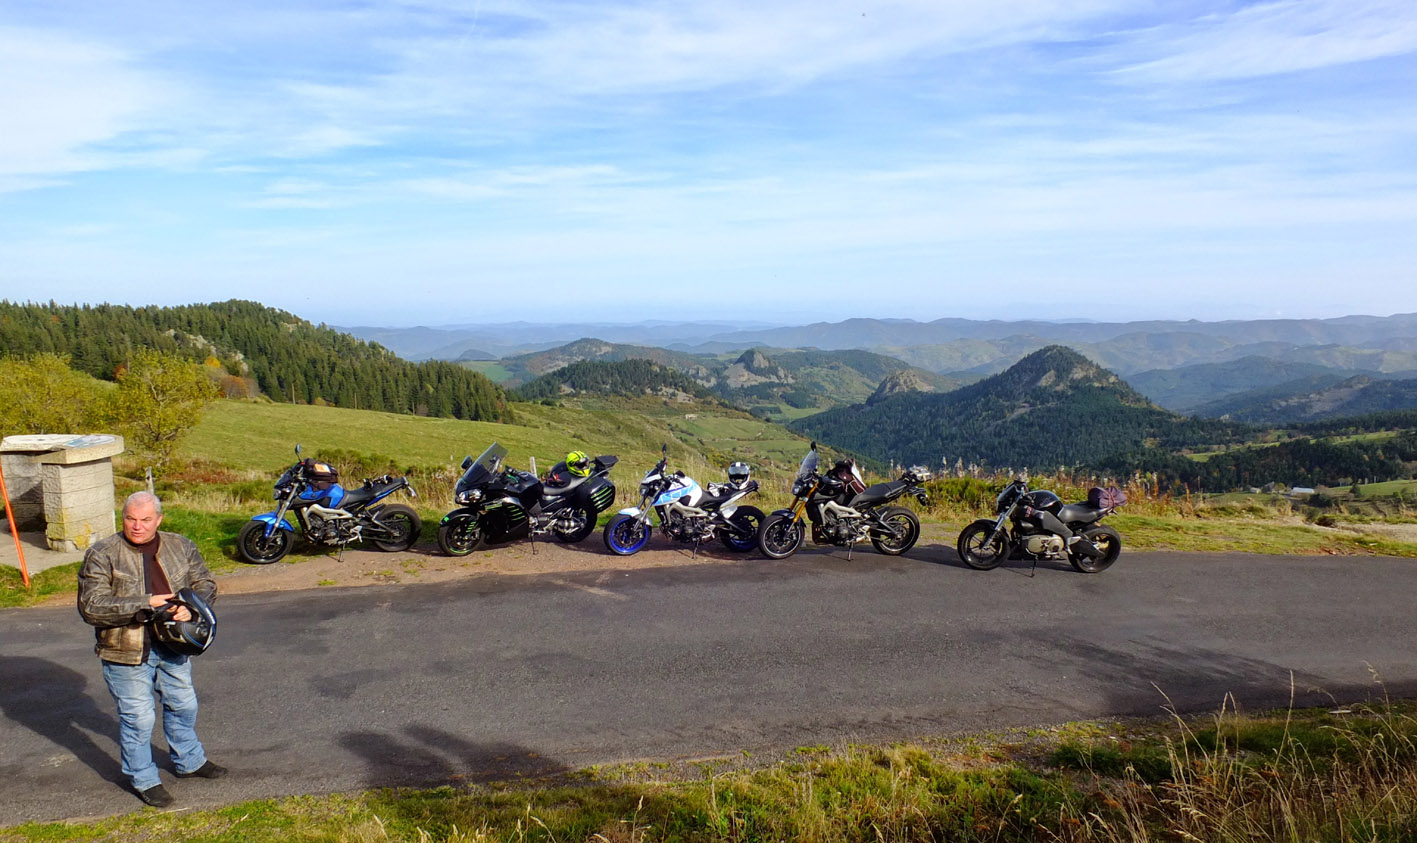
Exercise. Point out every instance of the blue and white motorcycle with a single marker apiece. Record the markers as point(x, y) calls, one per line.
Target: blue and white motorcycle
point(329, 514)
point(688, 512)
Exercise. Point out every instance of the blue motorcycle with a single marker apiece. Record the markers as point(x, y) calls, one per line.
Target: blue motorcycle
point(329, 514)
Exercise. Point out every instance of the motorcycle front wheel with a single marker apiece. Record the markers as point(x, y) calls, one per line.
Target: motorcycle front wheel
point(585, 521)
point(975, 549)
point(781, 536)
point(749, 520)
point(1108, 540)
point(256, 548)
point(906, 525)
point(401, 528)
point(626, 534)
point(460, 535)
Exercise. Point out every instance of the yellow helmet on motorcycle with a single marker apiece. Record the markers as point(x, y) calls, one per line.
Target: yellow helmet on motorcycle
point(578, 463)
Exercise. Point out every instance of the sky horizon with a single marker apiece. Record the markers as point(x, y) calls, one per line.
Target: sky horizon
point(433, 162)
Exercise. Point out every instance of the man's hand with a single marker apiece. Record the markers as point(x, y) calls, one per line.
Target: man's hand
point(179, 614)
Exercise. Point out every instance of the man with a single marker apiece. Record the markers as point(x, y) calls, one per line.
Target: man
point(124, 580)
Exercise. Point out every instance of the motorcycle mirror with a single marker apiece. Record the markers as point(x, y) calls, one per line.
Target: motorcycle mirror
point(467, 462)
point(663, 448)
point(297, 449)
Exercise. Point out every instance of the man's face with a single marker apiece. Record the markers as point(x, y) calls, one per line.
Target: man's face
point(140, 522)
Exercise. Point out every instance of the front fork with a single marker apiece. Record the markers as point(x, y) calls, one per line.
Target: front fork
point(280, 516)
point(999, 529)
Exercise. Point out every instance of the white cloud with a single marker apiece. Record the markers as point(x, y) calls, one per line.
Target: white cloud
point(62, 98)
point(1277, 37)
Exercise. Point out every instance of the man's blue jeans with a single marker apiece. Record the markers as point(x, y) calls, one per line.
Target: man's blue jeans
point(132, 688)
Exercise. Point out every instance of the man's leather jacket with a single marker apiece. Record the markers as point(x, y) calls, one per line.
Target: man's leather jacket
point(112, 596)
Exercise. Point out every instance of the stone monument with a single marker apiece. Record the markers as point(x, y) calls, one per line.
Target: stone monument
point(63, 484)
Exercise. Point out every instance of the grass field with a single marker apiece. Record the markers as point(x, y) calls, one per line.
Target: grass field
point(493, 369)
point(260, 436)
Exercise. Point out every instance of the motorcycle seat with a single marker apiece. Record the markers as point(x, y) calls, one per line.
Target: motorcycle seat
point(1079, 513)
point(557, 491)
point(710, 501)
point(358, 495)
point(878, 493)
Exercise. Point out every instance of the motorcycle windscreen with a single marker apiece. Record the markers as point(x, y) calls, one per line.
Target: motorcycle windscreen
point(482, 471)
point(809, 463)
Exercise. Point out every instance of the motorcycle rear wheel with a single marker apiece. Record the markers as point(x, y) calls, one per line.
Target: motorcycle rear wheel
point(460, 535)
point(626, 534)
point(403, 526)
point(908, 525)
point(587, 526)
point(781, 536)
point(256, 548)
point(749, 519)
point(975, 550)
point(1108, 540)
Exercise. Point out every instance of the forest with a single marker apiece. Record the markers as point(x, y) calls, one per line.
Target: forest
point(263, 351)
point(603, 377)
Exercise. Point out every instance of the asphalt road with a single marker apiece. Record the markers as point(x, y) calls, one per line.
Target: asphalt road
point(339, 689)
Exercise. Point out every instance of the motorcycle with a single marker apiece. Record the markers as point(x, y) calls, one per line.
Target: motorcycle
point(986, 543)
point(688, 512)
point(329, 514)
point(500, 504)
point(843, 511)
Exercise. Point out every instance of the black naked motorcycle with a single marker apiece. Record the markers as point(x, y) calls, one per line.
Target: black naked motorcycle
point(843, 511)
point(329, 513)
point(499, 504)
point(1026, 527)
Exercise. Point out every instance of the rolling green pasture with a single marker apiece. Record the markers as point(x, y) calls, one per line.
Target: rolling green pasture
point(493, 369)
point(1391, 488)
point(248, 435)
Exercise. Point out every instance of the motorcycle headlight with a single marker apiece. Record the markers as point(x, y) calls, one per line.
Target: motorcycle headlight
point(468, 496)
point(646, 489)
point(798, 486)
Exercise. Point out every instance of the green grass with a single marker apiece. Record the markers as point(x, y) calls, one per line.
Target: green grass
point(1317, 774)
point(1391, 488)
point(62, 579)
point(261, 436)
point(1148, 532)
point(493, 369)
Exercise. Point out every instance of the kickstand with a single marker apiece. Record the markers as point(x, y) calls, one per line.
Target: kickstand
point(849, 547)
point(695, 554)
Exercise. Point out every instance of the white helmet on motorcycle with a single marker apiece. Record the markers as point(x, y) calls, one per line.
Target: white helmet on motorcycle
point(738, 473)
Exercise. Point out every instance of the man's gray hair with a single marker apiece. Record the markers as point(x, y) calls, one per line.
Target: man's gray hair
point(143, 497)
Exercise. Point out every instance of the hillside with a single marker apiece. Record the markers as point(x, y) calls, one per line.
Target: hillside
point(1185, 388)
point(1053, 407)
point(1313, 399)
point(766, 380)
point(260, 436)
point(287, 358)
point(619, 377)
point(526, 367)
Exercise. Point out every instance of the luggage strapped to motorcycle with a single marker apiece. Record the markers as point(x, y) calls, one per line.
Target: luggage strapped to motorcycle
point(1108, 498)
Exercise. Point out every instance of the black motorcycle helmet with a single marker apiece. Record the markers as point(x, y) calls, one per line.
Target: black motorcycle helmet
point(191, 637)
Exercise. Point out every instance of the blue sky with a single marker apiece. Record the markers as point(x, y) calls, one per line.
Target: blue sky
point(402, 163)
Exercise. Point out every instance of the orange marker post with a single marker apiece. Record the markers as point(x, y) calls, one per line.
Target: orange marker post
point(14, 531)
